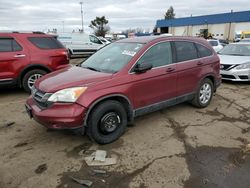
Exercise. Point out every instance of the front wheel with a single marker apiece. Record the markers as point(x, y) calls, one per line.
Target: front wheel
point(204, 94)
point(107, 122)
point(31, 77)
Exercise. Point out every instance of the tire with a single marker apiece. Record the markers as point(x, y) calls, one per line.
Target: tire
point(203, 100)
point(107, 122)
point(26, 82)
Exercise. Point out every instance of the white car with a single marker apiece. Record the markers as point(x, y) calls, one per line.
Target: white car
point(81, 43)
point(235, 62)
point(105, 41)
point(217, 46)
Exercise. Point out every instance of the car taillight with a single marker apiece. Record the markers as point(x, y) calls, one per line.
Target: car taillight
point(65, 53)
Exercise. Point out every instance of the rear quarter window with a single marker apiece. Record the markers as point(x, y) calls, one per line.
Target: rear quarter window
point(203, 51)
point(46, 42)
point(185, 51)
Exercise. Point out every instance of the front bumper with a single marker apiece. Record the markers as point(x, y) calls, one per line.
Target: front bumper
point(57, 116)
point(236, 75)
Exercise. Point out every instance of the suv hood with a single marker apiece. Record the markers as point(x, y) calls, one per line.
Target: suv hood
point(233, 60)
point(69, 77)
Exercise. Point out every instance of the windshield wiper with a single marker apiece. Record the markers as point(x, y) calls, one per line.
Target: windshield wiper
point(91, 68)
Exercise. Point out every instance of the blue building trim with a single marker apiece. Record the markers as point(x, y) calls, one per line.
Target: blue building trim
point(207, 19)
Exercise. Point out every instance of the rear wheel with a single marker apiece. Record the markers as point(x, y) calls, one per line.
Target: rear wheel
point(107, 122)
point(31, 77)
point(204, 94)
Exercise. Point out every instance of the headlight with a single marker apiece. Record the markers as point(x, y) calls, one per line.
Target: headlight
point(243, 66)
point(67, 95)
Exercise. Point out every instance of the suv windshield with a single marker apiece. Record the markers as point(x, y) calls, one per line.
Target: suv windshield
point(236, 49)
point(112, 58)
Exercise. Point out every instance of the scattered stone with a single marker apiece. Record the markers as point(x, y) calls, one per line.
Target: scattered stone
point(87, 183)
point(205, 181)
point(10, 124)
point(98, 171)
point(100, 155)
point(91, 160)
point(21, 144)
point(41, 168)
point(247, 130)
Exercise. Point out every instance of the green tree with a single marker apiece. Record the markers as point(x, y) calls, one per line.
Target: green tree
point(170, 13)
point(100, 26)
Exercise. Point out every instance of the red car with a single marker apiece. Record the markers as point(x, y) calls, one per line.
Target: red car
point(125, 80)
point(25, 57)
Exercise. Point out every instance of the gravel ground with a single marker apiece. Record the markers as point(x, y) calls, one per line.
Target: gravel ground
point(180, 146)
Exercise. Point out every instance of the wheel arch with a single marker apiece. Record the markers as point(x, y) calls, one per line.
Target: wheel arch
point(211, 77)
point(117, 97)
point(30, 68)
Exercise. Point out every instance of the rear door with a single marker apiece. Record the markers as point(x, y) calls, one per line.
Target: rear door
point(12, 58)
point(154, 87)
point(189, 68)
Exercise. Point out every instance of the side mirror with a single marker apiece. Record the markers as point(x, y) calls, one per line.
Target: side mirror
point(144, 67)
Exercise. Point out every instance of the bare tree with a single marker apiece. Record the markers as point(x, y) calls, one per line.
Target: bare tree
point(170, 13)
point(100, 26)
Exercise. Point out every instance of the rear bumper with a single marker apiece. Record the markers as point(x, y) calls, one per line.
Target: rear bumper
point(218, 83)
point(63, 66)
point(58, 116)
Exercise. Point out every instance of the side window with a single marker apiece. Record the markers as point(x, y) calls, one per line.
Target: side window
point(45, 42)
point(185, 51)
point(95, 40)
point(9, 45)
point(159, 55)
point(203, 51)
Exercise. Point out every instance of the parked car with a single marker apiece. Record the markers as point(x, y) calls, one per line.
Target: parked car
point(25, 57)
point(104, 41)
point(215, 43)
point(245, 40)
point(235, 62)
point(124, 80)
point(81, 43)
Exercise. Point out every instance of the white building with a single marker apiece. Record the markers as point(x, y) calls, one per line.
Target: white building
point(221, 26)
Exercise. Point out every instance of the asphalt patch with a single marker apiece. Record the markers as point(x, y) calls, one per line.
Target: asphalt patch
point(217, 168)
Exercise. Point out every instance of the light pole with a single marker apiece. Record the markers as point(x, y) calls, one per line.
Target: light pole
point(81, 3)
point(63, 25)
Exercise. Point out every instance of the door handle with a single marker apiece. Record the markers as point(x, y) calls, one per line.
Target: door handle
point(170, 69)
point(19, 55)
point(199, 63)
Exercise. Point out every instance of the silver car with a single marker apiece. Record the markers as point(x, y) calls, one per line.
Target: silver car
point(235, 62)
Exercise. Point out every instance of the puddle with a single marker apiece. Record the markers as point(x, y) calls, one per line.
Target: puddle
point(75, 151)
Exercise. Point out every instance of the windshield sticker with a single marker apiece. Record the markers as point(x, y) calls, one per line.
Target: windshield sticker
point(127, 52)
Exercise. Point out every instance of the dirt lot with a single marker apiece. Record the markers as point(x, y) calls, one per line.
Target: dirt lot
point(181, 146)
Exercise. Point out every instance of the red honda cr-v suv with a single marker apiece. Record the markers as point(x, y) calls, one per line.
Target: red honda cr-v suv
point(124, 80)
point(25, 57)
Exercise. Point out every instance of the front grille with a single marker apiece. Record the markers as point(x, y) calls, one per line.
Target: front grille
point(228, 76)
point(41, 98)
point(227, 67)
point(244, 77)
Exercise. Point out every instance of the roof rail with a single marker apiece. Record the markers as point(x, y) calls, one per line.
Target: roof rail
point(34, 32)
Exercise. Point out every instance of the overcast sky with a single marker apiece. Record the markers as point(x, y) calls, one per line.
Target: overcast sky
point(44, 14)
